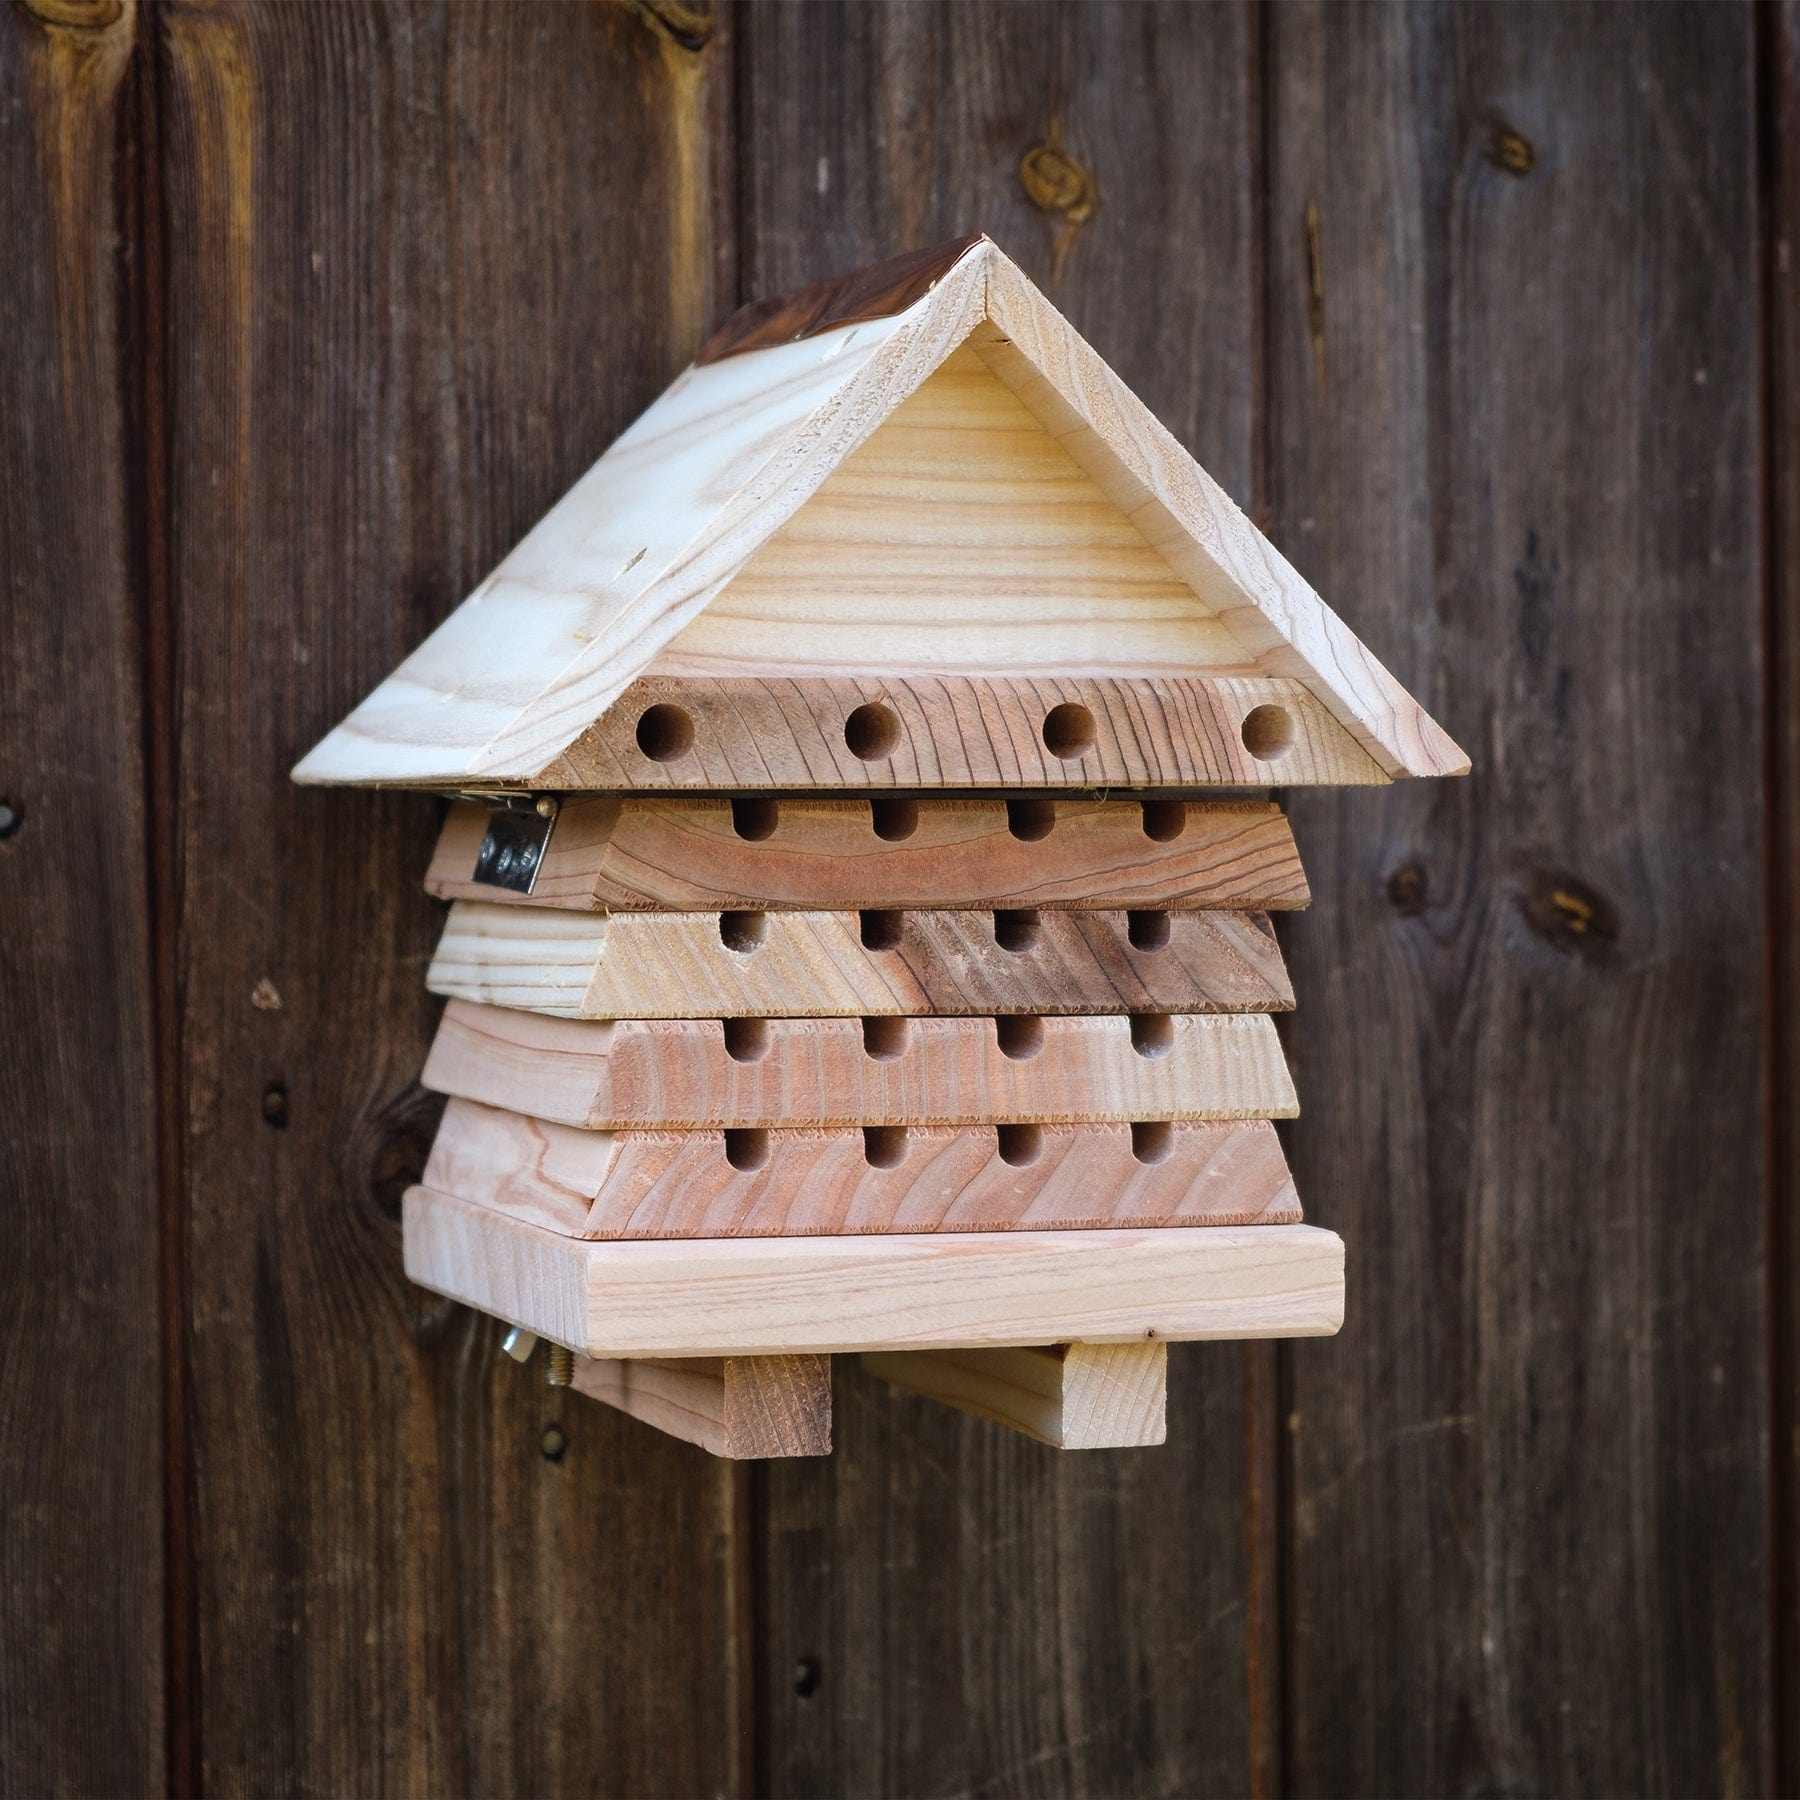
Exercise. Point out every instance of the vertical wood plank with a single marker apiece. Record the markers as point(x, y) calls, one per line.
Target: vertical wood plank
point(1514, 354)
point(947, 1608)
point(81, 1468)
point(424, 263)
point(1779, 45)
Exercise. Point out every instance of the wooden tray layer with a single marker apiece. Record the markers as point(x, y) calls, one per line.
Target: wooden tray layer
point(680, 853)
point(767, 964)
point(663, 1184)
point(939, 1071)
point(762, 1296)
point(951, 731)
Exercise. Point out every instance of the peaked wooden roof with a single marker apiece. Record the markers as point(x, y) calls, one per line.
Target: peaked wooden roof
point(772, 404)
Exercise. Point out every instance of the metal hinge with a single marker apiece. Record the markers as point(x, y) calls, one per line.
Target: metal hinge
point(518, 834)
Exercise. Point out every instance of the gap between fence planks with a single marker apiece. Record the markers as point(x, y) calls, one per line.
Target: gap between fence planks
point(1073, 1396)
point(755, 733)
point(732, 965)
point(763, 1296)
point(692, 1184)
point(687, 853)
point(738, 1407)
point(613, 1073)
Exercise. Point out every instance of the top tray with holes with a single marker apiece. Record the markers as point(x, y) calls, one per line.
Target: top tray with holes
point(676, 852)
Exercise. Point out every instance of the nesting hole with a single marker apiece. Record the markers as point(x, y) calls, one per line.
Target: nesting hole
point(1152, 1034)
point(746, 1148)
point(665, 732)
point(895, 820)
point(1020, 1144)
point(743, 931)
point(1268, 732)
point(1148, 930)
point(1030, 820)
point(871, 732)
point(1152, 1140)
point(1068, 730)
point(884, 1039)
point(755, 820)
point(1164, 820)
point(884, 1146)
point(1017, 930)
point(746, 1040)
point(882, 930)
point(1021, 1035)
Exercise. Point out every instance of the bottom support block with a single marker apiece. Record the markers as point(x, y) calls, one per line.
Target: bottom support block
point(733, 1406)
point(1075, 1396)
point(929, 1290)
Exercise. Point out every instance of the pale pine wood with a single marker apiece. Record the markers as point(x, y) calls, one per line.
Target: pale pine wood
point(680, 852)
point(1073, 1396)
point(740, 1407)
point(944, 1071)
point(961, 538)
point(676, 965)
point(956, 731)
point(787, 1296)
point(710, 474)
point(824, 1183)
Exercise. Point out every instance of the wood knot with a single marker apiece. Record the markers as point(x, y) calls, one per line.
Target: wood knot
point(1408, 890)
point(1055, 182)
point(1568, 914)
point(1510, 150)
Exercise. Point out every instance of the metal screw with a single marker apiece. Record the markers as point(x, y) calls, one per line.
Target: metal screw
point(559, 1367)
point(546, 807)
point(519, 1343)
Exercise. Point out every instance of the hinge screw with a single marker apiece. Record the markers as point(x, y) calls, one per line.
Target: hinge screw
point(546, 806)
point(559, 1368)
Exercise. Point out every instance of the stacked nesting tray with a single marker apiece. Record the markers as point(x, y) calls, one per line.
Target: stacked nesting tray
point(939, 1079)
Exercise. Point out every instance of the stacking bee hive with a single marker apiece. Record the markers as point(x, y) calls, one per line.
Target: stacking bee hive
point(860, 880)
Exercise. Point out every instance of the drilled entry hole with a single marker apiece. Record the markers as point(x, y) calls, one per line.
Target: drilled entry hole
point(884, 1039)
point(1164, 820)
point(1016, 930)
point(1021, 1035)
point(755, 820)
point(1152, 1034)
point(1068, 730)
point(1148, 930)
point(1268, 732)
point(1030, 820)
point(665, 732)
point(882, 930)
point(1152, 1140)
point(742, 931)
point(895, 820)
point(746, 1149)
point(871, 732)
point(884, 1146)
point(746, 1040)
point(1020, 1144)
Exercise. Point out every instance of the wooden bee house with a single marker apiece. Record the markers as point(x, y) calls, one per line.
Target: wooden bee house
point(860, 882)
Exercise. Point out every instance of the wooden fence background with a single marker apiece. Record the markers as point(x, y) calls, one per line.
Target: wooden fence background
point(1492, 316)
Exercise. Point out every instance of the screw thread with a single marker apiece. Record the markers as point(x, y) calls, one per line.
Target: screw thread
point(559, 1369)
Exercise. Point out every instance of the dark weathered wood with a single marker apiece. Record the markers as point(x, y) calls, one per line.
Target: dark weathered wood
point(1780, 48)
point(1514, 344)
point(423, 265)
point(81, 1408)
point(947, 1608)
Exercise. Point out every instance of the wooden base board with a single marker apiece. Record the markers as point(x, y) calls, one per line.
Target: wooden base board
point(839, 964)
point(761, 734)
point(1074, 1396)
point(733, 1406)
point(689, 1073)
point(932, 1290)
point(840, 1183)
point(680, 853)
